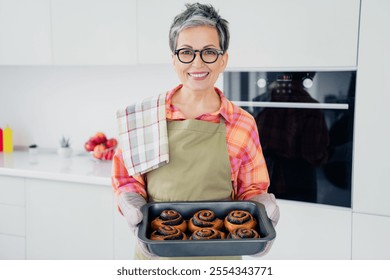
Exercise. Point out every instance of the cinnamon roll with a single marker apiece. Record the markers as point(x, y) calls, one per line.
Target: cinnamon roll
point(168, 233)
point(239, 218)
point(204, 219)
point(169, 218)
point(242, 233)
point(207, 233)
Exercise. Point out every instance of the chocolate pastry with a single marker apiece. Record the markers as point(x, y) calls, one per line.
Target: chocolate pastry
point(168, 233)
point(169, 218)
point(204, 219)
point(239, 218)
point(242, 233)
point(207, 233)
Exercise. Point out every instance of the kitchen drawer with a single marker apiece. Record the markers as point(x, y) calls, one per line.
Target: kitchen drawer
point(12, 220)
point(370, 237)
point(12, 247)
point(12, 191)
point(68, 221)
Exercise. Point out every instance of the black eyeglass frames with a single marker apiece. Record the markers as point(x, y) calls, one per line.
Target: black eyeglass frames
point(187, 55)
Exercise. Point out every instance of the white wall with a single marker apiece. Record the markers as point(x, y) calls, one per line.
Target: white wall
point(41, 103)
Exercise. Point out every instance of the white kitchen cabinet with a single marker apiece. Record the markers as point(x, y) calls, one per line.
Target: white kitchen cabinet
point(153, 29)
point(293, 33)
point(311, 231)
point(371, 189)
point(94, 32)
point(284, 34)
point(370, 237)
point(12, 218)
point(25, 32)
point(12, 191)
point(12, 247)
point(68, 220)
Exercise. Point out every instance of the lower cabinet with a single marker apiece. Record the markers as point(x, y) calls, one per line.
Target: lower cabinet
point(12, 247)
point(370, 240)
point(124, 240)
point(12, 218)
point(44, 219)
point(68, 220)
point(312, 231)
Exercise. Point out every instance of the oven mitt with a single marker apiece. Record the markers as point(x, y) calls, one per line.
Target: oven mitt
point(142, 251)
point(130, 205)
point(272, 209)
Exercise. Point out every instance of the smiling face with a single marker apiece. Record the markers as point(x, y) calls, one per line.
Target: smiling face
point(199, 76)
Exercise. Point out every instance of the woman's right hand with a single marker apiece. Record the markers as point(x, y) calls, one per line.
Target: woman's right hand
point(130, 205)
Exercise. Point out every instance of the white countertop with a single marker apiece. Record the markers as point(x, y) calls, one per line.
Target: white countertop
point(46, 164)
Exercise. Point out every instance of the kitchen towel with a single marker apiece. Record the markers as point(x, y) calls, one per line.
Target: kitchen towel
point(143, 135)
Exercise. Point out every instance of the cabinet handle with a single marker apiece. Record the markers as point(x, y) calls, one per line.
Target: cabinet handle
point(301, 105)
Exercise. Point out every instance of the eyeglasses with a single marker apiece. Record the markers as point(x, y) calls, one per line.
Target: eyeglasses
point(187, 55)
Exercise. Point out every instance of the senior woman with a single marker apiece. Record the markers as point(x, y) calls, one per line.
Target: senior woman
point(214, 147)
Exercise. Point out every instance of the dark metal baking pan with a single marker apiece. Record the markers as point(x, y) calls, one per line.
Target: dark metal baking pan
point(220, 247)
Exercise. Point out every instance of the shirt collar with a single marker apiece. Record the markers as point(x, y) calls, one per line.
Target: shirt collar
point(226, 109)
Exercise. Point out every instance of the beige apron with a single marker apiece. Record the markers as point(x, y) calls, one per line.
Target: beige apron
point(198, 168)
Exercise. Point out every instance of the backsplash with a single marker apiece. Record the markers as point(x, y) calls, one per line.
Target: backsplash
point(42, 103)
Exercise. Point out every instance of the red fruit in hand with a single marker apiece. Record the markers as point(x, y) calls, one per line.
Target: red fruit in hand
point(112, 142)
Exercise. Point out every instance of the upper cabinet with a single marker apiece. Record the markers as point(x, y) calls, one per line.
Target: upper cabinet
point(91, 32)
point(153, 29)
point(265, 34)
point(25, 32)
point(287, 33)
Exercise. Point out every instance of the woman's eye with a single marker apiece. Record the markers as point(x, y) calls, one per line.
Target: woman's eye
point(210, 52)
point(186, 52)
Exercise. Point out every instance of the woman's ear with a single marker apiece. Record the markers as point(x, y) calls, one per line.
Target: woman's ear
point(173, 59)
point(224, 61)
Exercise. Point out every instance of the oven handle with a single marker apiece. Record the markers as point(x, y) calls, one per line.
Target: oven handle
point(300, 105)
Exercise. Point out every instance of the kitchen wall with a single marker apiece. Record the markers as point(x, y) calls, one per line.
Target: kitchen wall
point(42, 103)
point(42, 98)
point(67, 66)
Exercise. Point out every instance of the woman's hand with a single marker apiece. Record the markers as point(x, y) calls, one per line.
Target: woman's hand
point(130, 204)
point(272, 209)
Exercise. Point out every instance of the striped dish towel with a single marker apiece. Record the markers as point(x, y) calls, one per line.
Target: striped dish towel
point(143, 135)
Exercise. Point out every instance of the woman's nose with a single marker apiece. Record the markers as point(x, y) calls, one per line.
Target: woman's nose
point(198, 60)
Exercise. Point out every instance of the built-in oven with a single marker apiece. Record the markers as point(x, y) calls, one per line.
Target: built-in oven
point(305, 122)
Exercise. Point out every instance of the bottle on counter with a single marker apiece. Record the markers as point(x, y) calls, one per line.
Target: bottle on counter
point(1, 140)
point(8, 145)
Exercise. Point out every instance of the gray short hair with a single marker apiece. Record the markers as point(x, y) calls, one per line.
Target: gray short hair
point(199, 15)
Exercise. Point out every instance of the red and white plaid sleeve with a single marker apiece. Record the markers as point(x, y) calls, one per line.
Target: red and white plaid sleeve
point(122, 182)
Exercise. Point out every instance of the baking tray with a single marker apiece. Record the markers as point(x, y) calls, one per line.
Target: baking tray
point(216, 247)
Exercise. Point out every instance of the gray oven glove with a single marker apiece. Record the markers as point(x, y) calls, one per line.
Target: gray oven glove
point(130, 204)
point(272, 209)
point(142, 250)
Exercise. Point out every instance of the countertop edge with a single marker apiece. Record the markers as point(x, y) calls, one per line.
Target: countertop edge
point(55, 176)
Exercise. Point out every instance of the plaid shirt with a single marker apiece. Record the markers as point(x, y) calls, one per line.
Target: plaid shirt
point(247, 164)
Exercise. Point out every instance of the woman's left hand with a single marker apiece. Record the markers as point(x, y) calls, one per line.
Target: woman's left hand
point(272, 209)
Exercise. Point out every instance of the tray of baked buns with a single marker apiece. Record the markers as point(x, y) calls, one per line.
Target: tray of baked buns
point(207, 228)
